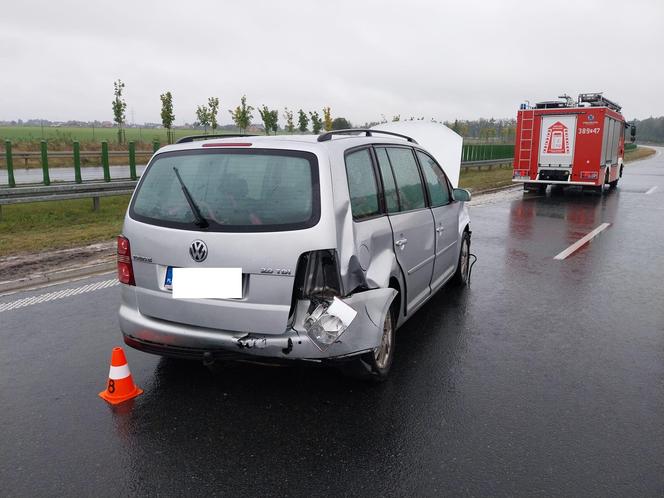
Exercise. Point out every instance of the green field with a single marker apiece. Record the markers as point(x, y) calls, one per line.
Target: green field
point(64, 134)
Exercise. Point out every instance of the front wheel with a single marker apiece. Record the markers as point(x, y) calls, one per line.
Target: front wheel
point(462, 274)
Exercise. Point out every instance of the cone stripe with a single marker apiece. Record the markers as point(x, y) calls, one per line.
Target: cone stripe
point(120, 372)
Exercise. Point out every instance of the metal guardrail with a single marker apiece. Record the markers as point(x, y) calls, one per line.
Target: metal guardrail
point(39, 193)
point(487, 163)
point(76, 154)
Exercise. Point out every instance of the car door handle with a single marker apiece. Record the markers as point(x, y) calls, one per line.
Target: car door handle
point(440, 230)
point(401, 243)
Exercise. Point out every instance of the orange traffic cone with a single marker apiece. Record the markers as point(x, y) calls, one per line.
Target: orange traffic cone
point(120, 385)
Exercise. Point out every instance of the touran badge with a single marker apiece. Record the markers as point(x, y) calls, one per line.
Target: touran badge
point(198, 251)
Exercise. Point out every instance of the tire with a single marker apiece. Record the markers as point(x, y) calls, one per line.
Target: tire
point(613, 184)
point(375, 366)
point(461, 275)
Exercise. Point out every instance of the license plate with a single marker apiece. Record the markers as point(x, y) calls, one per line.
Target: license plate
point(168, 281)
point(205, 283)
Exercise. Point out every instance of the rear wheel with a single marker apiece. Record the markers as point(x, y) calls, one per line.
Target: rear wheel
point(375, 365)
point(462, 274)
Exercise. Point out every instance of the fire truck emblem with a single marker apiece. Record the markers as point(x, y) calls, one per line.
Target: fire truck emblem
point(557, 139)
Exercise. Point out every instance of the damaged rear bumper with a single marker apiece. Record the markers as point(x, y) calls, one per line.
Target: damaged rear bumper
point(173, 339)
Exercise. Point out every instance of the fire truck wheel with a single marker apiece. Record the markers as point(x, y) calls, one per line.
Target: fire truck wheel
point(613, 184)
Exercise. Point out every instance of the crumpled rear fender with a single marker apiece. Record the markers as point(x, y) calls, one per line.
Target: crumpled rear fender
point(365, 331)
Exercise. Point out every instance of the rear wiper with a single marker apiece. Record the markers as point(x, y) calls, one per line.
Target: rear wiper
point(200, 220)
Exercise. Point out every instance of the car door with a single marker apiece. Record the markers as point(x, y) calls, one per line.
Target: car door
point(446, 219)
point(411, 220)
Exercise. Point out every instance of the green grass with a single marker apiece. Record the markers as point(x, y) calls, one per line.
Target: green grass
point(64, 134)
point(638, 153)
point(59, 224)
point(485, 179)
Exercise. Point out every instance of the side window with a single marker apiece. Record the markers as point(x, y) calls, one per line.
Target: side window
point(362, 184)
point(407, 176)
point(391, 196)
point(435, 180)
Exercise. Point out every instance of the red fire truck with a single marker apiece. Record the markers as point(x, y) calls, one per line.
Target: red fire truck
point(564, 142)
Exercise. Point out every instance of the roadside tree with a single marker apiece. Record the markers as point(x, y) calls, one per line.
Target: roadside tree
point(327, 118)
point(341, 124)
point(288, 116)
point(119, 109)
point(270, 119)
point(302, 121)
point(316, 122)
point(167, 116)
point(242, 115)
point(203, 117)
point(213, 109)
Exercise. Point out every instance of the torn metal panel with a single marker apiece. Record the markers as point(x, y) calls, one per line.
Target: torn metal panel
point(365, 331)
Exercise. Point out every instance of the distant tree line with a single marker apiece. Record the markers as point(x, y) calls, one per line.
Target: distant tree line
point(650, 130)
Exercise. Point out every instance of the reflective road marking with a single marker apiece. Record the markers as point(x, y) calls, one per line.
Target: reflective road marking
point(579, 243)
point(52, 296)
point(651, 190)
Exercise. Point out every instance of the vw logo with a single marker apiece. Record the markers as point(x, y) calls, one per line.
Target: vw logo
point(198, 251)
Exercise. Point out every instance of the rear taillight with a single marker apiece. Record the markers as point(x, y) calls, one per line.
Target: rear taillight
point(317, 276)
point(227, 144)
point(316, 295)
point(125, 269)
point(589, 175)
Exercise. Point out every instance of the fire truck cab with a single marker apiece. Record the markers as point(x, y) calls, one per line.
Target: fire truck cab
point(567, 142)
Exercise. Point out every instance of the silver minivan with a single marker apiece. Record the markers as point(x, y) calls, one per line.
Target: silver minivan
point(335, 241)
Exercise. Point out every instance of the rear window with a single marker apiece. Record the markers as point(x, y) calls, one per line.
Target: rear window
point(235, 190)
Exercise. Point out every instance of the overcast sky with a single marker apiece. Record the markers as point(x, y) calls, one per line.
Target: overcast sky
point(438, 59)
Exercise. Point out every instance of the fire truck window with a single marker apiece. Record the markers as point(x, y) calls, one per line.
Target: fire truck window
point(605, 136)
point(408, 178)
point(435, 180)
point(616, 140)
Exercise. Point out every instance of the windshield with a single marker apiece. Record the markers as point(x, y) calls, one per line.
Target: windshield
point(235, 190)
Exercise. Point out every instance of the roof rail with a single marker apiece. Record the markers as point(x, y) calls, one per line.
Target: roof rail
point(191, 138)
point(324, 137)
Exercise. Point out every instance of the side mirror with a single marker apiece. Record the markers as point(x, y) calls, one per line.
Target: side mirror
point(461, 194)
point(632, 133)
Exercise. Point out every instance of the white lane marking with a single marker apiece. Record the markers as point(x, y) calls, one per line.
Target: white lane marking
point(583, 240)
point(651, 190)
point(52, 296)
point(117, 373)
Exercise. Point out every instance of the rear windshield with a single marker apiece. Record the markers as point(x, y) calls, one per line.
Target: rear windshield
point(234, 190)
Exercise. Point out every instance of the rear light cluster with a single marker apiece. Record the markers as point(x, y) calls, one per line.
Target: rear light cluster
point(317, 275)
point(317, 280)
point(521, 173)
point(227, 144)
point(125, 268)
point(589, 175)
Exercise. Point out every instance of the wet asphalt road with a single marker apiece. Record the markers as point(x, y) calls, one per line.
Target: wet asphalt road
point(544, 378)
